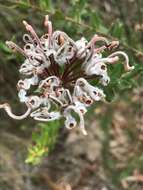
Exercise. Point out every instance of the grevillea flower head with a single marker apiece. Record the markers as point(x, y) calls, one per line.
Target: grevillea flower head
point(60, 70)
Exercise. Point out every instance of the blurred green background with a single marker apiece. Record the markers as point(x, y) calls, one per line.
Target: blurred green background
point(112, 152)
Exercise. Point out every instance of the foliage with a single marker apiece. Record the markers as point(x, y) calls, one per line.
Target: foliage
point(44, 138)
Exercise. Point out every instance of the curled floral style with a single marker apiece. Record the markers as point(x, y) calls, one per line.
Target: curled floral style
point(60, 69)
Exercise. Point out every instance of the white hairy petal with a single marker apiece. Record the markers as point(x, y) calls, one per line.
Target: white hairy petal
point(80, 106)
point(7, 108)
point(95, 93)
point(50, 117)
point(126, 64)
point(26, 68)
point(34, 101)
point(70, 122)
point(81, 47)
point(22, 95)
point(43, 114)
point(45, 82)
point(81, 122)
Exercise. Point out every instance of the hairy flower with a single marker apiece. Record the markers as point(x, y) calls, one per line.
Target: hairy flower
point(59, 70)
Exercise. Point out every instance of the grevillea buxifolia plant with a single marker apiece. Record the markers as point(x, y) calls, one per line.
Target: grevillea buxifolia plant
point(60, 70)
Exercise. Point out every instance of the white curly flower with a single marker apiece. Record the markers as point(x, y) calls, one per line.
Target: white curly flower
point(60, 69)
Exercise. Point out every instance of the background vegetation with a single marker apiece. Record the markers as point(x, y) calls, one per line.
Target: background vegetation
point(112, 152)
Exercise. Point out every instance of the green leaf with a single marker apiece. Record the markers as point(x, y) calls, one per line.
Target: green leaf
point(95, 20)
point(46, 4)
point(110, 93)
point(44, 138)
point(117, 30)
point(4, 48)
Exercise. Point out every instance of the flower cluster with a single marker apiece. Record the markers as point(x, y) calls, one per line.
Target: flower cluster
point(56, 74)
